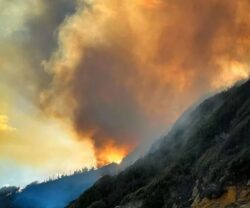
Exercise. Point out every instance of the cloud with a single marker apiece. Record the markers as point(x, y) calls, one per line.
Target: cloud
point(27, 37)
point(4, 124)
point(38, 146)
point(125, 70)
point(14, 14)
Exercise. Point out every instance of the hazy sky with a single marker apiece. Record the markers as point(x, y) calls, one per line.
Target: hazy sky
point(83, 82)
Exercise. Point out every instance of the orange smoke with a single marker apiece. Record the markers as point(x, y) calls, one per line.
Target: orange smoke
point(129, 68)
point(149, 3)
point(110, 153)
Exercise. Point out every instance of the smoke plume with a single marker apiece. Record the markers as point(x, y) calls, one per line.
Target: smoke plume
point(125, 69)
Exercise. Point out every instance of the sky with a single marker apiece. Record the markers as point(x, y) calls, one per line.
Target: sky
point(84, 82)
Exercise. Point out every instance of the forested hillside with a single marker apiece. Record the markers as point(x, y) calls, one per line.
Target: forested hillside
point(203, 161)
point(54, 193)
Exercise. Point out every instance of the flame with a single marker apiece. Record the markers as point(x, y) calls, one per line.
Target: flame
point(111, 153)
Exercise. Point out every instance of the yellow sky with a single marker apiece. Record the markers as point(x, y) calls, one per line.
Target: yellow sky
point(4, 124)
point(30, 141)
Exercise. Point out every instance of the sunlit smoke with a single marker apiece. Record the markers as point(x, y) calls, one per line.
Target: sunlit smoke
point(126, 69)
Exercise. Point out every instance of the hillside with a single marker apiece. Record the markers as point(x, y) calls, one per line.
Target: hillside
point(204, 161)
point(54, 193)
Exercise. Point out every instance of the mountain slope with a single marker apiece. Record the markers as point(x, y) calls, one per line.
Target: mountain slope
point(7, 195)
point(54, 193)
point(203, 161)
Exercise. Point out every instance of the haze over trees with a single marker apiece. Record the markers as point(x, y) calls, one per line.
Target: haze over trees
point(206, 153)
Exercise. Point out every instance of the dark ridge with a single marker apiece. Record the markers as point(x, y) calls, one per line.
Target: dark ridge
point(207, 150)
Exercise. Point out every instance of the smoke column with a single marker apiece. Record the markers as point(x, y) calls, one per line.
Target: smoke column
point(125, 69)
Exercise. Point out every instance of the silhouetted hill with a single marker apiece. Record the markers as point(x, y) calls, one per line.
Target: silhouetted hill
point(54, 193)
point(7, 195)
point(204, 161)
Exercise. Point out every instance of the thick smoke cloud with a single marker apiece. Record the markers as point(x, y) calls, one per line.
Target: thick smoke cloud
point(31, 144)
point(28, 36)
point(124, 70)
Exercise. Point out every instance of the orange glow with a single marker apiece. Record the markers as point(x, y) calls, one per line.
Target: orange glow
point(4, 124)
point(111, 153)
point(129, 68)
point(150, 3)
point(232, 71)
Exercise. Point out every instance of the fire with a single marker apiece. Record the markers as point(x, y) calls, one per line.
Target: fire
point(111, 153)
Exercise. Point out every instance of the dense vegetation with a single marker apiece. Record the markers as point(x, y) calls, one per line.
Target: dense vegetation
point(208, 148)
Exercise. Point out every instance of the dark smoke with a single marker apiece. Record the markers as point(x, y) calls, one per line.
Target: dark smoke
point(125, 70)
